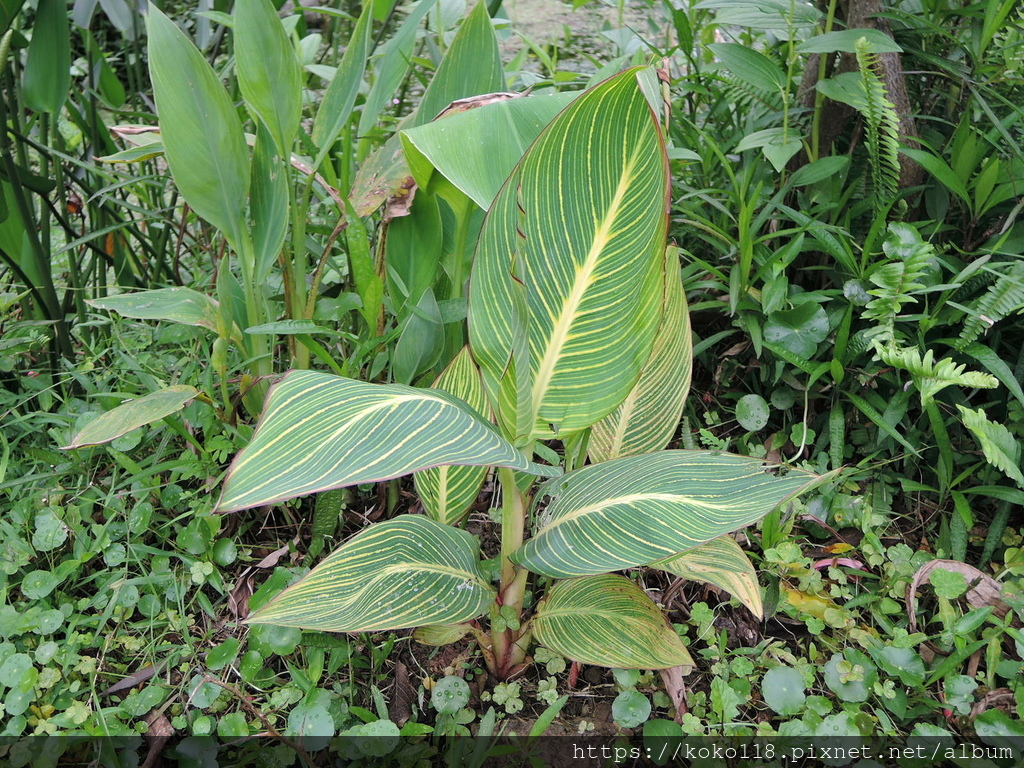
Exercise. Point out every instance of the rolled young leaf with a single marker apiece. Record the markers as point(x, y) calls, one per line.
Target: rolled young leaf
point(402, 573)
point(579, 231)
point(320, 432)
point(447, 492)
point(635, 510)
point(647, 419)
point(608, 621)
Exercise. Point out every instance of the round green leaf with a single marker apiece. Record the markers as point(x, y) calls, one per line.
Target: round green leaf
point(783, 690)
point(232, 726)
point(850, 676)
point(38, 584)
point(450, 694)
point(631, 708)
point(752, 412)
point(798, 330)
point(224, 552)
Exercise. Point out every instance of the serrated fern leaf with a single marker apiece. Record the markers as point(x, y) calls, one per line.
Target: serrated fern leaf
point(883, 129)
point(896, 279)
point(1000, 447)
point(931, 376)
point(1003, 298)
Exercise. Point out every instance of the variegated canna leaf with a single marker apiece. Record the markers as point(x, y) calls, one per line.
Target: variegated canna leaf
point(320, 431)
point(647, 419)
point(402, 573)
point(448, 491)
point(608, 621)
point(638, 509)
point(722, 563)
point(579, 231)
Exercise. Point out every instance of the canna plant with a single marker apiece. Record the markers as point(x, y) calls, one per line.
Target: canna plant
point(578, 335)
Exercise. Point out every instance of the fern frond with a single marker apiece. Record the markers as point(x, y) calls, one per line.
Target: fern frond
point(1003, 298)
point(896, 279)
point(883, 129)
point(1000, 447)
point(931, 376)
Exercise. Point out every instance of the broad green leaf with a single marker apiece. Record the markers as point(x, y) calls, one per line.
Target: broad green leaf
point(336, 108)
point(752, 412)
point(268, 202)
point(412, 252)
point(846, 40)
point(647, 419)
point(268, 70)
point(635, 510)
point(447, 492)
point(422, 341)
point(753, 68)
point(202, 136)
point(178, 305)
point(134, 414)
point(320, 432)
point(407, 572)
point(777, 15)
point(470, 66)
point(723, 564)
point(783, 690)
point(608, 621)
point(477, 149)
point(798, 330)
point(360, 261)
point(938, 168)
point(47, 76)
point(570, 259)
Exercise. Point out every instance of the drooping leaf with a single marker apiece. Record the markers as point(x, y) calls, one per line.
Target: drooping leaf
point(448, 491)
point(639, 509)
point(320, 432)
point(133, 414)
point(647, 419)
point(608, 621)
point(722, 563)
point(846, 40)
point(178, 305)
point(580, 228)
point(268, 70)
point(407, 572)
point(47, 76)
point(751, 67)
point(202, 136)
point(1002, 450)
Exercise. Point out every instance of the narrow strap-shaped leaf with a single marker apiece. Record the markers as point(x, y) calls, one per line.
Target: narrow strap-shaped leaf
point(447, 492)
point(320, 431)
point(635, 510)
point(581, 226)
point(406, 572)
point(722, 563)
point(647, 419)
point(610, 622)
point(201, 133)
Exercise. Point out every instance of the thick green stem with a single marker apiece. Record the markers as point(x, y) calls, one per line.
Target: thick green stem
point(507, 646)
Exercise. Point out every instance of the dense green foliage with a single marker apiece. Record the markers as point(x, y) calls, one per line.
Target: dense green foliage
point(192, 204)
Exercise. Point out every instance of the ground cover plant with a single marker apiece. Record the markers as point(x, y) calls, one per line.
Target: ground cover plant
point(383, 371)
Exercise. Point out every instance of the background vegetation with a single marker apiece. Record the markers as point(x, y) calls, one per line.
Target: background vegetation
point(846, 187)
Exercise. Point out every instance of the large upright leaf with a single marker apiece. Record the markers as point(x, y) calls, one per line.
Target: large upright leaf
point(608, 621)
point(580, 227)
point(403, 573)
point(320, 432)
point(447, 492)
point(633, 511)
point(268, 70)
point(647, 419)
point(202, 136)
point(47, 76)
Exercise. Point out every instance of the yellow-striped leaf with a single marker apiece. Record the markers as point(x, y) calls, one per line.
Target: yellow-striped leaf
point(647, 419)
point(723, 564)
point(610, 622)
point(320, 431)
point(403, 573)
point(448, 491)
point(579, 231)
point(638, 509)
point(441, 634)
